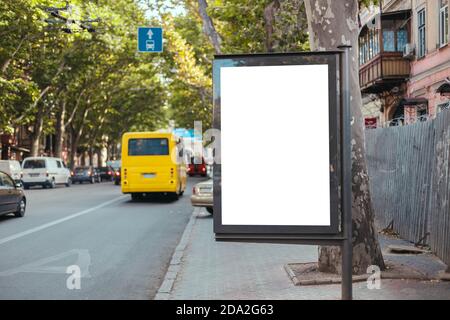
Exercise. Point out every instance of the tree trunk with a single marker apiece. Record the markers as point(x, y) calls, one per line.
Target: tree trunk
point(334, 23)
point(208, 27)
point(10, 59)
point(5, 151)
point(34, 152)
point(38, 123)
point(269, 19)
point(37, 132)
point(42, 93)
point(75, 138)
point(60, 130)
point(73, 148)
point(100, 162)
point(91, 156)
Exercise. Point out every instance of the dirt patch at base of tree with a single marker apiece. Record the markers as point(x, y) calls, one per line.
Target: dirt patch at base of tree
point(304, 274)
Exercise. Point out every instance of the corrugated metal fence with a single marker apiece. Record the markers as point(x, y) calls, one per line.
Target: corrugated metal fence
point(409, 173)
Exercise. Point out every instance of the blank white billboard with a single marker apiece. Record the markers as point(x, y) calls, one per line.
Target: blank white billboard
point(275, 145)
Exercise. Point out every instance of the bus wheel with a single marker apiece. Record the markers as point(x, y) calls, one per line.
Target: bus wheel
point(175, 196)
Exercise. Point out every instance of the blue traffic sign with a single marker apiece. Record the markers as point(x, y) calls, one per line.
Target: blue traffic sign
point(150, 39)
point(186, 133)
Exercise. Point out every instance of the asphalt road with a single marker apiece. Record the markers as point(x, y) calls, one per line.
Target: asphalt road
point(120, 248)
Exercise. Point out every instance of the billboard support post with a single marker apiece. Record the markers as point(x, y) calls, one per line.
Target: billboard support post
point(346, 247)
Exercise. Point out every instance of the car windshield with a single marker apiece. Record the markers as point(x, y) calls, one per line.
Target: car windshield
point(79, 170)
point(197, 160)
point(148, 147)
point(34, 164)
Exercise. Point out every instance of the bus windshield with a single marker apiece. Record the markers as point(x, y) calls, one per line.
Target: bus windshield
point(148, 147)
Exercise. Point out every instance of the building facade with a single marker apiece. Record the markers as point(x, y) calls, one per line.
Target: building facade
point(404, 61)
point(15, 145)
point(430, 69)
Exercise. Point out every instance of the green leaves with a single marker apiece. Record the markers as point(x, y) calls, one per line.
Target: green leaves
point(99, 79)
point(243, 26)
point(15, 94)
point(102, 85)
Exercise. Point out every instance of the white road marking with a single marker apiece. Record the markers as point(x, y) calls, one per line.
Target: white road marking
point(53, 223)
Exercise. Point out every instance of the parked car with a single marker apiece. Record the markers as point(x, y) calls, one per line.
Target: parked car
point(12, 197)
point(12, 168)
point(117, 177)
point(197, 166)
point(85, 174)
point(106, 173)
point(202, 195)
point(45, 172)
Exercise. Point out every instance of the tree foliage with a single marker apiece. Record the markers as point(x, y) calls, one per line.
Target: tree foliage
point(242, 27)
point(90, 87)
point(93, 82)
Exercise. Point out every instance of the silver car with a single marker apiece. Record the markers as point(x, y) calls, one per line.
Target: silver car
point(202, 195)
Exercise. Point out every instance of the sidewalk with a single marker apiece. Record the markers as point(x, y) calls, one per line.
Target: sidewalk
point(219, 270)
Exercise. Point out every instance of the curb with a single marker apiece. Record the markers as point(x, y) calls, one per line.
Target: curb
point(298, 282)
point(172, 272)
point(291, 275)
point(356, 278)
point(444, 276)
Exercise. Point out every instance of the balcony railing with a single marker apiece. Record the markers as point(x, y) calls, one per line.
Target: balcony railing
point(385, 71)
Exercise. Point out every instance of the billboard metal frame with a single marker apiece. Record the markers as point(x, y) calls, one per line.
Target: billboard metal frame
point(340, 230)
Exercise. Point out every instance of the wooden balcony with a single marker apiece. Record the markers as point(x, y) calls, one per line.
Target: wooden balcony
point(385, 71)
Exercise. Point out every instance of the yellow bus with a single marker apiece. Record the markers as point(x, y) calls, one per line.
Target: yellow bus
point(152, 162)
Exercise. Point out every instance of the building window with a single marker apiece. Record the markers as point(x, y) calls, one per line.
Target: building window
point(443, 23)
point(361, 51)
point(376, 41)
point(388, 41)
point(402, 39)
point(421, 32)
point(443, 106)
point(368, 46)
point(395, 40)
point(422, 113)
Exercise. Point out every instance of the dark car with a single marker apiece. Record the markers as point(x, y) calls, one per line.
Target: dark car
point(117, 178)
point(12, 197)
point(106, 173)
point(197, 166)
point(85, 174)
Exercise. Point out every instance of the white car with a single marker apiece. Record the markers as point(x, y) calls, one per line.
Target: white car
point(45, 171)
point(12, 168)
